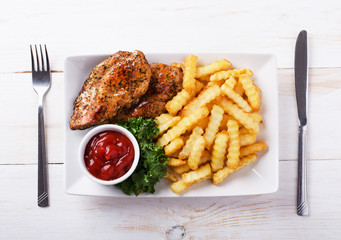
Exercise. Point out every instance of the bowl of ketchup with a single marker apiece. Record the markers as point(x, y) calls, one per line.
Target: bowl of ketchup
point(108, 154)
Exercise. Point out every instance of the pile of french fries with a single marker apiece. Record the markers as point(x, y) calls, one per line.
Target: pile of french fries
point(211, 126)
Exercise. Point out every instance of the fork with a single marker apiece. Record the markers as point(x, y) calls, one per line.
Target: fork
point(41, 81)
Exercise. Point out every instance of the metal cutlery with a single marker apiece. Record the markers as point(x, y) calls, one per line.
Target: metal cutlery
point(41, 81)
point(301, 85)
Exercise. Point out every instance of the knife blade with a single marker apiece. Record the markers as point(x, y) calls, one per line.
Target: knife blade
point(301, 86)
point(301, 76)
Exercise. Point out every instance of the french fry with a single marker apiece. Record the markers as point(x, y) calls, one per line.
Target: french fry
point(243, 130)
point(210, 105)
point(206, 96)
point(253, 148)
point(204, 78)
point(179, 186)
point(235, 97)
point(189, 74)
point(181, 98)
point(212, 84)
point(170, 176)
point(203, 123)
point(251, 92)
point(238, 88)
point(175, 162)
point(219, 151)
point(196, 153)
point(248, 72)
point(185, 137)
point(238, 72)
point(167, 124)
point(182, 126)
point(192, 177)
point(239, 115)
point(198, 175)
point(247, 139)
point(234, 145)
point(213, 125)
point(175, 105)
point(196, 133)
point(198, 87)
point(223, 75)
point(175, 155)
point(223, 123)
point(205, 157)
point(231, 82)
point(212, 68)
point(181, 169)
point(219, 83)
point(256, 117)
point(219, 176)
point(174, 146)
point(163, 118)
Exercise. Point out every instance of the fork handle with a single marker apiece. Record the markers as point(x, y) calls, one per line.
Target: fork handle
point(302, 198)
point(43, 197)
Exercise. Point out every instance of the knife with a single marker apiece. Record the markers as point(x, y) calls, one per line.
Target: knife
point(301, 85)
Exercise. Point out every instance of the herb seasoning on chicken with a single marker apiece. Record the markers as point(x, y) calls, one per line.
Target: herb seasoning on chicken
point(117, 83)
point(165, 83)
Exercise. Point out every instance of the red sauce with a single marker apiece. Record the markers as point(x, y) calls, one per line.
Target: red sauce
point(109, 155)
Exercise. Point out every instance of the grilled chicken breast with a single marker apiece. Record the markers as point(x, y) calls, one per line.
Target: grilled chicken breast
point(117, 83)
point(165, 83)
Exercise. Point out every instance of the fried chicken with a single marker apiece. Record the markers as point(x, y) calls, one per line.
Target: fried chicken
point(115, 84)
point(165, 83)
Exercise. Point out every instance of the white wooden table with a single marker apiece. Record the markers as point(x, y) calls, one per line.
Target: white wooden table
point(103, 27)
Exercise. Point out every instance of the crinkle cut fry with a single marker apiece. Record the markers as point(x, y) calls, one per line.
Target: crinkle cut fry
point(234, 145)
point(219, 176)
point(189, 74)
point(182, 126)
point(233, 110)
point(212, 68)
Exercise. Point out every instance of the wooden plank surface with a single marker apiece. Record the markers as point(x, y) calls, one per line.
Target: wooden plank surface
point(270, 216)
point(96, 27)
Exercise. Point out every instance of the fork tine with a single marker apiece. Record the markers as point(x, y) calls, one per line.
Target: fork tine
point(47, 59)
point(32, 59)
point(42, 58)
point(38, 64)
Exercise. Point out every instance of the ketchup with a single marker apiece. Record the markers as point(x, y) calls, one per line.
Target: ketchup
point(109, 155)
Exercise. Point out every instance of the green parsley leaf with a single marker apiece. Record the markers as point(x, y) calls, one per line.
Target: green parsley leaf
point(152, 164)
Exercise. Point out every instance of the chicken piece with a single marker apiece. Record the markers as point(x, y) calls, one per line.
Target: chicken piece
point(117, 83)
point(165, 83)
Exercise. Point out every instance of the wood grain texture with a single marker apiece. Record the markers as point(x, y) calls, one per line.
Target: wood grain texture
point(270, 216)
point(323, 114)
point(323, 135)
point(78, 28)
point(19, 123)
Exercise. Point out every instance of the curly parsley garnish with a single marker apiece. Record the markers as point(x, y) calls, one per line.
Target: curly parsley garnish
point(152, 164)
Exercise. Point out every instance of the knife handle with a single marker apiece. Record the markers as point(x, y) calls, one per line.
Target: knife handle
point(302, 199)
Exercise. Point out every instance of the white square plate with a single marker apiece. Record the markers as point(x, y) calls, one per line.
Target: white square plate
point(258, 178)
